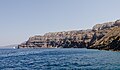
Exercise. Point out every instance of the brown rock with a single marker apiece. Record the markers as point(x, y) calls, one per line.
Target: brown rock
point(111, 41)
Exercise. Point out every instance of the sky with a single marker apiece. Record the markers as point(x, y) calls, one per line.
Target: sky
point(21, 19)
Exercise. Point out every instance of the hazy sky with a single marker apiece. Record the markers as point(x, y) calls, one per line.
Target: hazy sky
point(20, 19)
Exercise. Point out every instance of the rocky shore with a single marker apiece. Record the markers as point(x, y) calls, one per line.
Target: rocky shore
point(104, 36)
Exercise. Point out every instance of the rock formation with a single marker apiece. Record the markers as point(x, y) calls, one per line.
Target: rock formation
point(100, 37)
point(103, 26)
point(111, 41)
point(117, 23)
point(68, 39)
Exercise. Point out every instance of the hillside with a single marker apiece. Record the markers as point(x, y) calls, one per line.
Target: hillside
point(101, 36)
point(111, 41)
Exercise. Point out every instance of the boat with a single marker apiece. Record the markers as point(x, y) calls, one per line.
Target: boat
point(15, 47)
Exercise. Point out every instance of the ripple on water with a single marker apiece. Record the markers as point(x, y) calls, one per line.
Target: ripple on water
point(58, 59)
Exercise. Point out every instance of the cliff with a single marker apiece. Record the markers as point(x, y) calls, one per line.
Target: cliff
point(101, 36)
point(102, 26)
point(111, 41)
point(65, 39)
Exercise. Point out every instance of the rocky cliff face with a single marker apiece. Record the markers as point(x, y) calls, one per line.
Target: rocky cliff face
point(111, 41)
point(91, 38)
point(103, 26)
point(117, 23)
point(69, 39)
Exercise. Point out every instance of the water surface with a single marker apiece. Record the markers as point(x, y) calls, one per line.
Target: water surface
point(58, 59)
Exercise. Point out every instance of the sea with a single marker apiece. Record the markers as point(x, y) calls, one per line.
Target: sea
point(58, 59)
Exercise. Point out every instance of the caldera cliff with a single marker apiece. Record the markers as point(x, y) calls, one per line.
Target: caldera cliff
point(102, 36)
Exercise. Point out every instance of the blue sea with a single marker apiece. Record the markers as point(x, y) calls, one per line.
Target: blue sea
point(59, 59)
